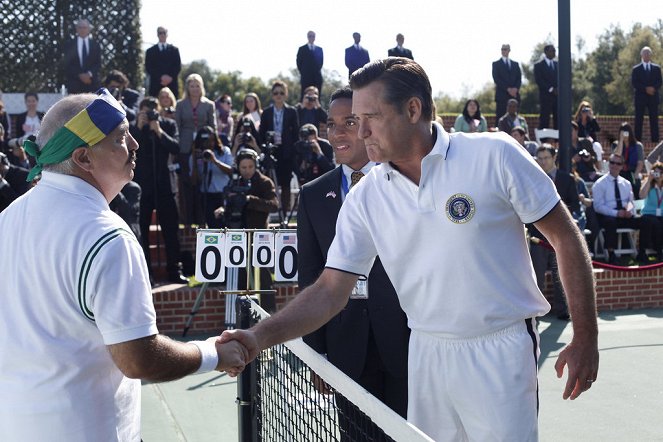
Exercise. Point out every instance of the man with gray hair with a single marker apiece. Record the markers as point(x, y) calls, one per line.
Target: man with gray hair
point(82, 60)
point(646, 82)
point(79, 326)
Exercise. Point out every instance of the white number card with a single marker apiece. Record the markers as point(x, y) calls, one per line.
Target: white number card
point(235, 249)
point(263, 249)
point(286, 256)
point(210, 254)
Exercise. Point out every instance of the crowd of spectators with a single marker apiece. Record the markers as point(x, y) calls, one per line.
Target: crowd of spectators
point(189, 146)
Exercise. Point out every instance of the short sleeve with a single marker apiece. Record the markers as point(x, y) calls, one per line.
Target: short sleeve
point(353, 249)
point(530, 191)
point(116, 287)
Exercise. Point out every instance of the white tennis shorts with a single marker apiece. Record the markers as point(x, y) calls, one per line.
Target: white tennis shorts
point(479, 389)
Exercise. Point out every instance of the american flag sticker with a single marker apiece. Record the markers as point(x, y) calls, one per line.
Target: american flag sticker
point(289, 239)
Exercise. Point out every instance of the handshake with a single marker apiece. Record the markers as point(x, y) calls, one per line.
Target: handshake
point(236, 349)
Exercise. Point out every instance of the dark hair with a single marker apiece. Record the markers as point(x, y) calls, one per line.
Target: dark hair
point(343, 92)
point(115, 75)
point(402, 78)
point(279, 83)
point(547, 147)
point(244, 154)
point(31, 94)
point(467, 115)
point(150, 102)
point(257, 100)
point(211, 133)
point(546, 48)
point(631, 137)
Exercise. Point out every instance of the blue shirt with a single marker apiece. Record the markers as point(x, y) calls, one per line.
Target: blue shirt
point(216, 180)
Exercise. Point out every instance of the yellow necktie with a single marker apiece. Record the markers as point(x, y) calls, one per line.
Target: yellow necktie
point(355, 177)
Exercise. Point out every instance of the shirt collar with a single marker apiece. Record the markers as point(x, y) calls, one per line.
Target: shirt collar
point(73, 184)
point(440, 148)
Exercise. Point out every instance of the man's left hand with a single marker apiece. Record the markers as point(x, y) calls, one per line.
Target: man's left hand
point(166, 80)
point(581, 357)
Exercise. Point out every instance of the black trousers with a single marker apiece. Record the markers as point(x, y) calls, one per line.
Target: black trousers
point(610, 225)
point(656, 223)
point(548, 106)
point(167, 217)
point(651, 104)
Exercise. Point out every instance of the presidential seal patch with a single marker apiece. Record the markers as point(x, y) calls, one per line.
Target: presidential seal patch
point(460, 208)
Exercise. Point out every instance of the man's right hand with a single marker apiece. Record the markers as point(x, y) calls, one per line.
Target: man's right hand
point(247, 338)
point(232, 357)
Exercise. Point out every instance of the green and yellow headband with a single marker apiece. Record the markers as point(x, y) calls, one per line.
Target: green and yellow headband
point(87, 128)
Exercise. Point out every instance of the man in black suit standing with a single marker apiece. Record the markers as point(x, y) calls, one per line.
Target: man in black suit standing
point(544, 258)
point(646, 80)
point(82, 60)
point(399, 50)
point(368, 340)
point(508, 79)
point(356, 56)
point(309, 62)
point(163, 65)
point(282, 120)
point(545, 74)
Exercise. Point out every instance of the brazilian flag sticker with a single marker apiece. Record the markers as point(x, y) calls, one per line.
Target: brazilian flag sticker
point(236, 237)
point(211, 239)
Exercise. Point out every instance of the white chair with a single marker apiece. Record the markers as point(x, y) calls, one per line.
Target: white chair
point(630, 248)
point(540, 134)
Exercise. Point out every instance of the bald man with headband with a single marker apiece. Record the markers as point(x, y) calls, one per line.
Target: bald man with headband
point(79, 326)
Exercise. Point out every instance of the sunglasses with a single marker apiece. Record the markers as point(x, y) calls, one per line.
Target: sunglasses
point(162, 33)
point(278, 93)
point(615, 163)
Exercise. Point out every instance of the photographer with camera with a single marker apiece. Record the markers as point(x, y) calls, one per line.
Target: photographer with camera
point(652, 193)
point(211, 170)
point(118, 85)
point(314, 156)
point(13, 182)
point(246, 136)
point(158, 138)
point(585, 161)
point(587, 124)
point(309, 111)
point(250, 198)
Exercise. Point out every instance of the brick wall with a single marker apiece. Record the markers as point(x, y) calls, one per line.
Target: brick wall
point(615, 291)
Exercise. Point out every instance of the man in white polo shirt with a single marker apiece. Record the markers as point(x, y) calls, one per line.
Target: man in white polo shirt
point(445, 214)
point(78, 324)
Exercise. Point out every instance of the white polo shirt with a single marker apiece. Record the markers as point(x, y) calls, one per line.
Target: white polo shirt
point(74, 280)
point(454, 246)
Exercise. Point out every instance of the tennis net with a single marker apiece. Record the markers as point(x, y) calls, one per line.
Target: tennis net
point(278, 401)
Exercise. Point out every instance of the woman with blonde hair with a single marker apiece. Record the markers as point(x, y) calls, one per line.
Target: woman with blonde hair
point(193, 112)
point(587, 124)
point(167, 102)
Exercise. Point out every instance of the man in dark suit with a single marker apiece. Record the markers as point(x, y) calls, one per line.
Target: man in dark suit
point(399, 50)
point(368, 340)
point(82, 61)
point(508, 79)
point(544, 258)
point(282, 120)
point(646, 80)
point(545, 74)
point(356, 56)
point(163, 65)
point(309, 62)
